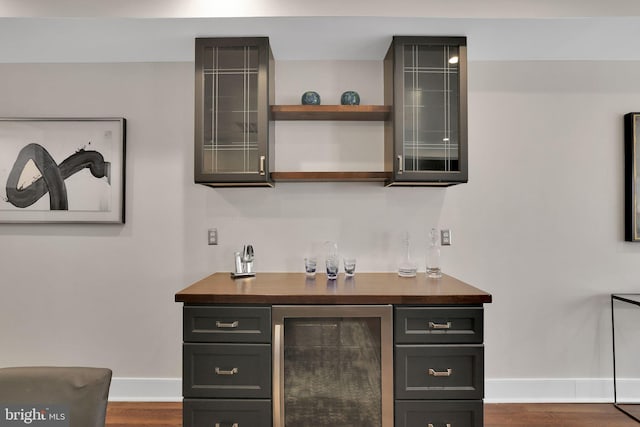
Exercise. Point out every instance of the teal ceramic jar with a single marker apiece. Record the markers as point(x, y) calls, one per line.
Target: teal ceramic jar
point(310, 98)
point(350, 97)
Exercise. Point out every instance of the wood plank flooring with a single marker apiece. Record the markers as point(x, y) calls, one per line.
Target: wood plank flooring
point(555, 415)
point(132, 414)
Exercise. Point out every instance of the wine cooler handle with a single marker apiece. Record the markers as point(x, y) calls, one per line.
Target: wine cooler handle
point(428, 425)
point(278, 376)
point(238, 425)
point(225, 372)
point(400, 165)
point(435, 373)
point(231, 325)
point(262, 160)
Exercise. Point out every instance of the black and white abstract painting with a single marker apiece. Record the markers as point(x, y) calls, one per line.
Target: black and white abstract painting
point(62, 170)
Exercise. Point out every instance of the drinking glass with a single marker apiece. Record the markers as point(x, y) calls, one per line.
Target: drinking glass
point(332, 260)
point(349, 267)
point(310, 265)
point(332, 264)
point(433, 256)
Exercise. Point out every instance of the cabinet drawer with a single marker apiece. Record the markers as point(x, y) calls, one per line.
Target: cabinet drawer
point(226, 413)
point(226, 370)
point(438, 413)
point(438, 325)
point(439, 372)
point(227, 324)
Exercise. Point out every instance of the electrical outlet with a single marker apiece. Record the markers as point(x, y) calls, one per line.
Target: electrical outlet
point(445, 237)
point(213, 236)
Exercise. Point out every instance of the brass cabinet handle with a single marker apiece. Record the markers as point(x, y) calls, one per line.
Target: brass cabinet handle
point(435, 373)
point(433, 325)
point(428, 425)
point(229, 372)
point(220, 324)
point(238, 425)
point(262, 159)
point(400, 165)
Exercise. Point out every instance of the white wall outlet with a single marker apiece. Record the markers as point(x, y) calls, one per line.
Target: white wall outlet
point(445, 237)
point(213, 236)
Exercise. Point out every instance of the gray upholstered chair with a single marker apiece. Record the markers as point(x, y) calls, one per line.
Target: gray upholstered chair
point(84, 391)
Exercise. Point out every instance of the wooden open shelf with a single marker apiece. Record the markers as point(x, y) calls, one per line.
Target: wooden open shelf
point(331, 112)
point(331, 176)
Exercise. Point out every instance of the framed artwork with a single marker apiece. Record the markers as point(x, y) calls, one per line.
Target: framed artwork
point(55, 170)
point(631, 180)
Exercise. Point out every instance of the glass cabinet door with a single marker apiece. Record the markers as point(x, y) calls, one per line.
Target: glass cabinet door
point(232, 125)
point(430, 103)
point(333, 366)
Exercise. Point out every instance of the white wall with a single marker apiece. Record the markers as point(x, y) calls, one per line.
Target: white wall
point(539, 225)
point(102, 294)
point(547, 218)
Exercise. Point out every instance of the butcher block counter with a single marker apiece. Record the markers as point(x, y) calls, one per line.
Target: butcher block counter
point(363, 288)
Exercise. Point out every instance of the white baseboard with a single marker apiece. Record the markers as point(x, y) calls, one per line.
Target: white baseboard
point(548, 390)
point(506, 390)
point(145, 390)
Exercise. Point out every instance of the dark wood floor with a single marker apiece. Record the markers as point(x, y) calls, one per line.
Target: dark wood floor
point(555, 415)
point(126, 414)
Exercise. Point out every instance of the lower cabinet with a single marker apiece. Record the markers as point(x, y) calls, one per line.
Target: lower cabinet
point(439, 372)
point(439, 366)
point(226, 366)
point(438, 413)
point(226, 370)
point(226, 413)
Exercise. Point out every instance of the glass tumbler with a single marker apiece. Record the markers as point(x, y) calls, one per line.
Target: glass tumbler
point(349, 267)
point(332, 264)
point(310, 265)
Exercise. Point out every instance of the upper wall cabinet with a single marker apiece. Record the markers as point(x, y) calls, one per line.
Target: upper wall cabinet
point(425, 81)
point(234, 87)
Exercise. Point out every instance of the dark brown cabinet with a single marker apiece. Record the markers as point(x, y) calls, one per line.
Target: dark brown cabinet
point(439, 366)
point(226, 412)
point(234, 87)
point(226, 365)
point(425, 114)
point(425, 368)
point(425, 82)
point(438, 413)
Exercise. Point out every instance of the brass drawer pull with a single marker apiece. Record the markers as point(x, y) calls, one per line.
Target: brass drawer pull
point(229, 372)
point(433, 325)
point(428, 425)
point(238, 425)
point(220, 324)
point(435, 373)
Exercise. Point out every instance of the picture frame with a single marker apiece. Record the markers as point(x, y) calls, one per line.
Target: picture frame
point(62, 170)
point(631, 179)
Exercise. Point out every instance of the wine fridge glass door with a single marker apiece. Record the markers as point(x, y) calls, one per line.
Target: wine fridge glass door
point(332, 366)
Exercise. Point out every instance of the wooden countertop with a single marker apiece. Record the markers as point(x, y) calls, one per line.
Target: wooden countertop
point(364, 288)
